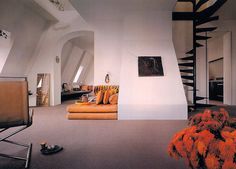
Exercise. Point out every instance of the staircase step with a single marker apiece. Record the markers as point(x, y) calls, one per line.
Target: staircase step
point(198, 37)
point(200, 3)
point(206, 20)
point(187, 58)
point(198, 105)
point(186, 70)
point(186, 64)
point(189, 84)
point(198, 45)
point(200, 98)
point(190, 52)
point(187, 77)
point(210, 29)
point(182, 16)
point(208, 12)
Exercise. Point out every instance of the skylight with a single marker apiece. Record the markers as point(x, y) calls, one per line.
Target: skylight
point(78, 74)
point(5, 47)
point(40, 83)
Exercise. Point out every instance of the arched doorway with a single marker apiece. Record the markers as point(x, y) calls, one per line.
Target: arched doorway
point(77, 61)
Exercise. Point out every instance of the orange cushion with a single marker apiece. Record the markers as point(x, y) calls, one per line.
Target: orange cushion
point(92, 108)
point(106, 97)
point(113, 99)
point(99, 97)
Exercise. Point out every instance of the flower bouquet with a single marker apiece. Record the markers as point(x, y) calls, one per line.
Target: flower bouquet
point(208, 143)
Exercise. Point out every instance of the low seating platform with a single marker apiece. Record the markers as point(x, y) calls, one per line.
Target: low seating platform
point(92, 111)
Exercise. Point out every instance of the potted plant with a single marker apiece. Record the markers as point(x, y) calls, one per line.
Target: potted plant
point(208, 143)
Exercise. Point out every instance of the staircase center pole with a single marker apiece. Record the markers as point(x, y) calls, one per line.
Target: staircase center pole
point(194, 56)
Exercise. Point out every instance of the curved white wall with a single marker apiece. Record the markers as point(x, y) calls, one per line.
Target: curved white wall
point(150, 97)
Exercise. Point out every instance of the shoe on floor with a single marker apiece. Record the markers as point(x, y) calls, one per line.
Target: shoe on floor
point(48, 150)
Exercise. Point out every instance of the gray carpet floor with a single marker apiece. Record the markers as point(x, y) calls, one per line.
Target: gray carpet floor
point(96, 144)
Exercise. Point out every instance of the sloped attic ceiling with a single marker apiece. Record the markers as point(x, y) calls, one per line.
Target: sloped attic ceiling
point(26, 26)
point(94, 9)
point(85, 42)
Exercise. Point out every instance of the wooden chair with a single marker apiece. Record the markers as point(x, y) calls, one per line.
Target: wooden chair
point(14, 112)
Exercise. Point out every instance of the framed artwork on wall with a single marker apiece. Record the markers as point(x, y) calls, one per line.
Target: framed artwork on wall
point(150, 66)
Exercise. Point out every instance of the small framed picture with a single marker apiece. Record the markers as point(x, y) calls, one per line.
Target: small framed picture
point(150, 66)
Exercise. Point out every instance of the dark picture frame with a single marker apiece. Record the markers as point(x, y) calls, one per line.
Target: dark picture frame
point(150, 66)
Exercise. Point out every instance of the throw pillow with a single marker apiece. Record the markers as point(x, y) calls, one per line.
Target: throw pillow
point(99, 98)
point(113, 99)
point(106, 97)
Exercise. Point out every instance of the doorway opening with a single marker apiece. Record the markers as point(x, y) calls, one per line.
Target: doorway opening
point(219, 69)
point(43, 89)
point(77, 66)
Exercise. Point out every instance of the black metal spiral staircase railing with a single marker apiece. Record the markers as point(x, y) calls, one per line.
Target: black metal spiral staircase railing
point(187, 64)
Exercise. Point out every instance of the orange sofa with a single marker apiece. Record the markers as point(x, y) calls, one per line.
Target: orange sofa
point(92, 111)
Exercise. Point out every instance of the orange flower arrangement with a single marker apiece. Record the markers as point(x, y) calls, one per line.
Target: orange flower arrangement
point(208, 143)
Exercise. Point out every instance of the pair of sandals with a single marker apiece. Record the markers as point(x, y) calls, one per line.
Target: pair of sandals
point(50, 149)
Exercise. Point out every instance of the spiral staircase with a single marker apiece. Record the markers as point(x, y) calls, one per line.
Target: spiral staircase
point(199, 16)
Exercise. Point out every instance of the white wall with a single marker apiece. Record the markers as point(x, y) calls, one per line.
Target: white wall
point(66, 52)
point(26, 27)
point(230, 26)
point(5, 47)
point(72, 63)
point(215, 51)
point(150, 97)
point(202, 86)
point(108, 51)
point(182, 33)
point(215, 48)
point(227, 53)
point(182, 37)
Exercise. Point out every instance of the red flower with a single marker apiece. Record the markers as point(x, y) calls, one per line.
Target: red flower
point(201, 147)
point(214, 148)
point(188, 142)
point(209, 142)
point(229, 165)
point(194, 120)
point(210, 124)
point(212, 162)
point(222, 115)
point(207, 115)
point(181, 149)
point(194, 160)
point(227, 128)
point(206, 137)
point(227, 149)
point(172, 151)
